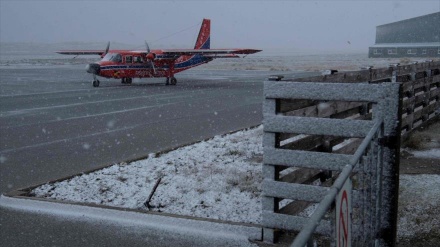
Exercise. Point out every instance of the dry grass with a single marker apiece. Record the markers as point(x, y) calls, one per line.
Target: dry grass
point(417, 140)
point(405, 60)
point(424, 138)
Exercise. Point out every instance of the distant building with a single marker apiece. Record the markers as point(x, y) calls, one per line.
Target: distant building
point(415, 37)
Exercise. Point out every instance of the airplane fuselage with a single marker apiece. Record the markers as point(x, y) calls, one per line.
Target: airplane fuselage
point(135, 65)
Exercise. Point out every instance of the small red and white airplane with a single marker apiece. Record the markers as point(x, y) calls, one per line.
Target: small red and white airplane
point(128, 64)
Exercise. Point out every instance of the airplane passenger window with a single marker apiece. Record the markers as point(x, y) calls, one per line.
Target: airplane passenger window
point(137, 59)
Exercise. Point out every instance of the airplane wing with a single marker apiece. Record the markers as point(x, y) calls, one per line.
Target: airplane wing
point(221, 56)
point(172, 54)
point(180, 52)
point(175, 53)
point(81, 52)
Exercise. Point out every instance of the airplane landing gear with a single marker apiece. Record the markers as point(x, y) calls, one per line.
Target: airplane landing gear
point(126, 80)
point(171, 81)
point(95, 83)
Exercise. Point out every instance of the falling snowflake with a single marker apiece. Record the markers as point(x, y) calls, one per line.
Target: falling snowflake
point(3, 159)
point(111, 124)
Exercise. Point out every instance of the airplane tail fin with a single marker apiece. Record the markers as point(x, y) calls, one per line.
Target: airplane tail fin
point(203, 40)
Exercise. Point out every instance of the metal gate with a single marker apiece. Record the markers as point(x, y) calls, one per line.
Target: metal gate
point(370, 219)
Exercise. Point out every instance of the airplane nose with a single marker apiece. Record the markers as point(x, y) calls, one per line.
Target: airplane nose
point(93, 68)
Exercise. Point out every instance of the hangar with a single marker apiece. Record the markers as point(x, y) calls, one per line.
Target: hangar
point(414, 37)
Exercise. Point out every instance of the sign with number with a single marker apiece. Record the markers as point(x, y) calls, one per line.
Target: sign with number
point(343, 216)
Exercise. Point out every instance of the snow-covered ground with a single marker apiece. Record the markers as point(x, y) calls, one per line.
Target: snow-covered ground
point(419, 204)
point(430, 153)
point(220, 178)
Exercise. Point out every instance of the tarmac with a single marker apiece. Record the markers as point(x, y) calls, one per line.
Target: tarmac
point(54, 124)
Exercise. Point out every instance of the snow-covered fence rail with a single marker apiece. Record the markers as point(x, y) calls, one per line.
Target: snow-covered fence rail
point(421, 91)
point(348, 129)
point(420, 86)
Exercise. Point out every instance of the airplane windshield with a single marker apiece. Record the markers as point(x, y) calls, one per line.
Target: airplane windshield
point(115, 57)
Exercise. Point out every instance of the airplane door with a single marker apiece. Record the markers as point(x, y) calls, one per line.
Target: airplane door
point(138, 59)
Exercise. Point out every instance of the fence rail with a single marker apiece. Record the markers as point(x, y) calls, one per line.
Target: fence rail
point(314, 127)
point(307, 231)
point(420, 88)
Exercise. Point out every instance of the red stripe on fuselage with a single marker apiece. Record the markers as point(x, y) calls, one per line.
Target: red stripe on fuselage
point(123, 70)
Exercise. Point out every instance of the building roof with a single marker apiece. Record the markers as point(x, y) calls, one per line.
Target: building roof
point(421, 29)
point(411, 19)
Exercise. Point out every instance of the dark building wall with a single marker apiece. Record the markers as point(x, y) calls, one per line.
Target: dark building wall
point(415, 30)
point(403, 52)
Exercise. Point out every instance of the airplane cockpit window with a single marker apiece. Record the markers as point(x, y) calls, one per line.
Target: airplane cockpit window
point(115, 57)
point(128, 59)
point(107, 57)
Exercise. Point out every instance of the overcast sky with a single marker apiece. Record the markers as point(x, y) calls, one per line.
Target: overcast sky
point(290, 25)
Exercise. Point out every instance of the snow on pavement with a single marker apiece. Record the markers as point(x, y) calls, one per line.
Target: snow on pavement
point(221, 179)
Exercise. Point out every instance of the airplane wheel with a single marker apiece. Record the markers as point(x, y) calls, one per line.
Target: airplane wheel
point(173, 81)
point(167, 82)
point(128, 80)
point(96, 83)
point(123, 81)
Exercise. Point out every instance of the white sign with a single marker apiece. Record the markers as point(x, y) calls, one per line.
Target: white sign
point(343, 216)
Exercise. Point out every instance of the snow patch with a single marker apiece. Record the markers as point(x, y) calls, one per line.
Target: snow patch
point(428, 154)
point(419, 202)
point(221, 179)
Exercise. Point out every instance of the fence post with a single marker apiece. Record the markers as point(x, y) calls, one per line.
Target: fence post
point(270, 172)
point(391, 109)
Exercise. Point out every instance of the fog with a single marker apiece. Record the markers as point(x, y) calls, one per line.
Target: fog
point(274, 25)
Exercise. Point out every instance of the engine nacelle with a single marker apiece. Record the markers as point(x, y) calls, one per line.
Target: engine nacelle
point(150, 56)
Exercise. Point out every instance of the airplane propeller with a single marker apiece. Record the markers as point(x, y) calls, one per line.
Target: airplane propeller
point(150, 57)
point(106, 50)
